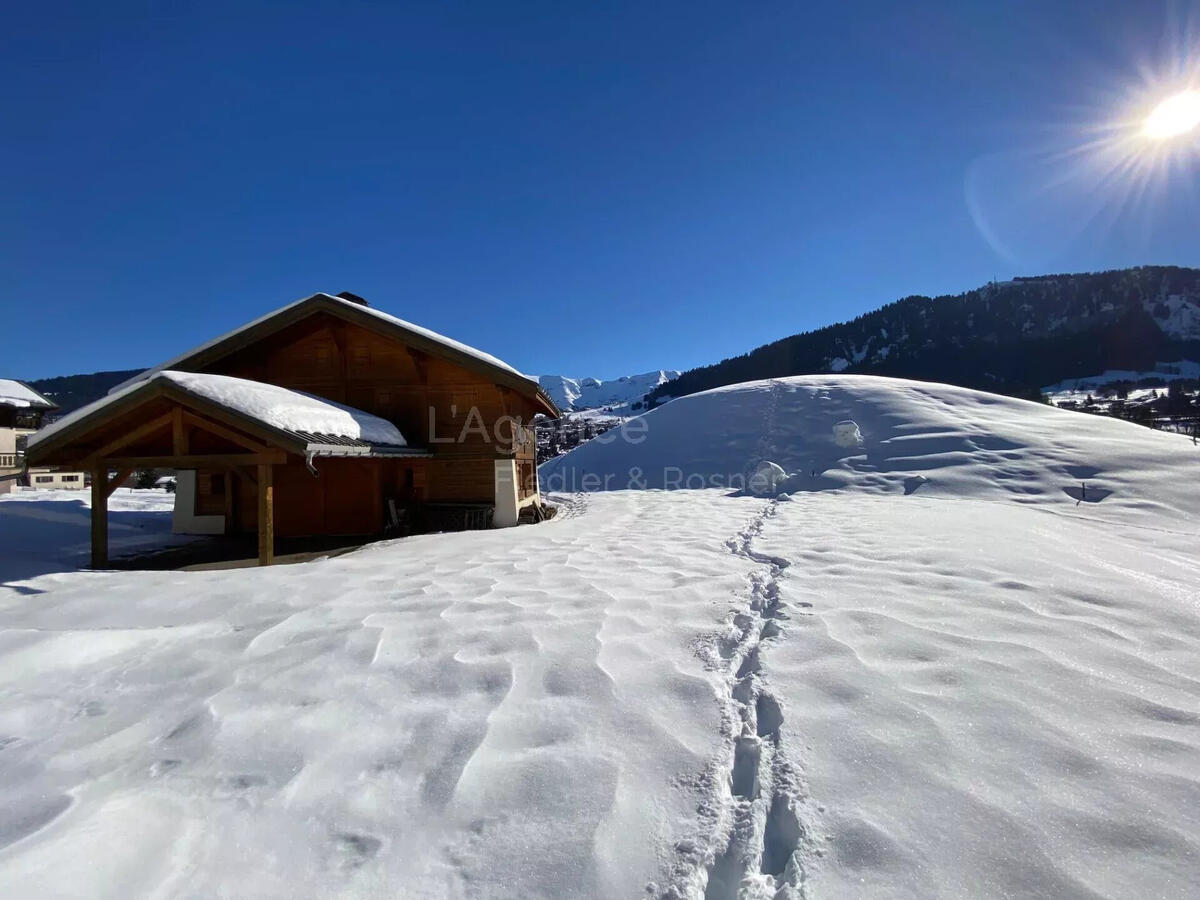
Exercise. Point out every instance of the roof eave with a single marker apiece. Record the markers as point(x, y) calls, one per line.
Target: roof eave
point(371, 452)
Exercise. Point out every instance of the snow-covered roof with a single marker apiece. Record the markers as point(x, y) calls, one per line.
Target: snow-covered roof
point(287, 410)
point(276, 407)
point(14, 393)
point(431, 336)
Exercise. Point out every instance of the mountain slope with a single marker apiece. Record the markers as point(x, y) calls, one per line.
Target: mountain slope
point(1011, 337)
point(575, 394)
point(73, 391)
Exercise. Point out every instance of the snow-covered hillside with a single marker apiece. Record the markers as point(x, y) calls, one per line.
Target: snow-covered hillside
point(958, 658)
point(1163, 372)
point(944, 441)
point(576, 394)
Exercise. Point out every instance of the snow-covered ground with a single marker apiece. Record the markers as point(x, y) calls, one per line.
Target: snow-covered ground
point(937, 668)
point(49, 531)
point(514, 713)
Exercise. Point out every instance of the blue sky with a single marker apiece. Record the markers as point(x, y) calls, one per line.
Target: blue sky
point(588, 189)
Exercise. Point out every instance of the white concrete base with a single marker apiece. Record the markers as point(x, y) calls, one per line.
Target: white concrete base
point(507, 507)
point(184, 520)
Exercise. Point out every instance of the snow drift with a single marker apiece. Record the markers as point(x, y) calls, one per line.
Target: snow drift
point(942, 440)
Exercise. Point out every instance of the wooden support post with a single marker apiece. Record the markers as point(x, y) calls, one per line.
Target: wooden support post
point(179, 441)
point(99, 517)
point(266, 516)
point(230, 500)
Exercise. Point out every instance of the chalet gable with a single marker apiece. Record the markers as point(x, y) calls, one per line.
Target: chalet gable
point(234, 352)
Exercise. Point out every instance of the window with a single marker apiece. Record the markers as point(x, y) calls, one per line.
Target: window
point(70, 478)
point(44, 479)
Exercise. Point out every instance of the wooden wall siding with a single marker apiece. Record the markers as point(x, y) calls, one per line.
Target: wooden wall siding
point(326, 356)
point(210, 493)
point(462, 481)
point(347, 497)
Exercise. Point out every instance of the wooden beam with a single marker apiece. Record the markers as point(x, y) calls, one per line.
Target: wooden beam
point(420, 363)
point(115, 483)
point(128, 438)
point(211, 461)
point(179, 438)
point(228, 433)
point(99, 517)
point(266, 516)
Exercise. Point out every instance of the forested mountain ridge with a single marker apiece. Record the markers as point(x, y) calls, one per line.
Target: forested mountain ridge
point(73, 391)
point(1009, 337)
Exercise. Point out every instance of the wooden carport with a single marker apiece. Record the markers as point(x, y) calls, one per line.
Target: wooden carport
point(254, 461)
point(158, 423)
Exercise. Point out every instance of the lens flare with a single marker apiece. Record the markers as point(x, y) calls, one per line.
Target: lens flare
point(1174, 116)
point(1110, 166)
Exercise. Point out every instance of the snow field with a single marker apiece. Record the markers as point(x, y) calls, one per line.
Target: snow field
point(989, 700)
point(511, 713)
point(941, 668)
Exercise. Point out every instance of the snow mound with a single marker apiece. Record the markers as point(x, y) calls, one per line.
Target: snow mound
point(961, 442)
point(767, 479)
point(846, 434)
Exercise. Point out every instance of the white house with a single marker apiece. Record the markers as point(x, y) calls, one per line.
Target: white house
point(21, 412)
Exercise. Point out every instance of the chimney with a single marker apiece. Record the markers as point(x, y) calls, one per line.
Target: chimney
point(353, 298)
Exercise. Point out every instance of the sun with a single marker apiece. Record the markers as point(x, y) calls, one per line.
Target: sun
point(1174, 116)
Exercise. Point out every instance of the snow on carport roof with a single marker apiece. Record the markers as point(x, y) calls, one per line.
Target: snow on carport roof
point(14, 393)
point(288, 410)
point(433, 336)
point(274, 406)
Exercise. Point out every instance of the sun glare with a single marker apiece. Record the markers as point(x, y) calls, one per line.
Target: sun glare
point(1174, 116)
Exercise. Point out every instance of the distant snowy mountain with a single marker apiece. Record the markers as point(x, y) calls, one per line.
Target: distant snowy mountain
point(577, 394)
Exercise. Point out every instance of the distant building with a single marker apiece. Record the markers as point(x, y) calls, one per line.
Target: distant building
point(21, 412)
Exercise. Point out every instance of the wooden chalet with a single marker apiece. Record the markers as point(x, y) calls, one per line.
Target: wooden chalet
point(324, 417)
